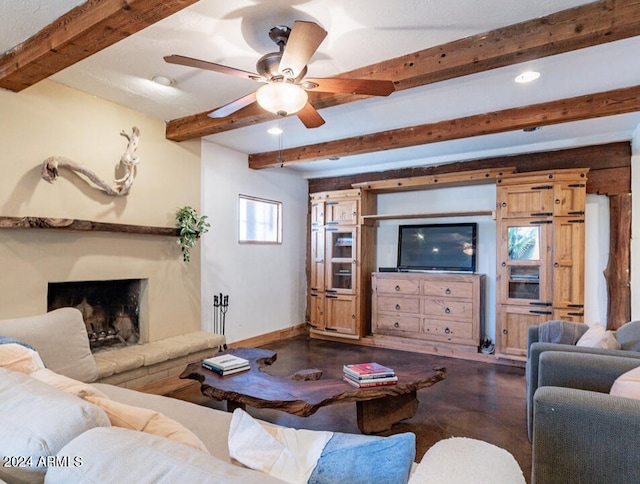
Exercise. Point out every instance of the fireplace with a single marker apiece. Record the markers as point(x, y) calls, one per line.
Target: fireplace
point(110, 309)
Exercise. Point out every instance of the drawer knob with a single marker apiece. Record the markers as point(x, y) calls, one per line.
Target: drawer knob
point(397, 288)
point(447, 310)
point(397, 307)
point(447, 331)
point(396, 324)
point(447, 291)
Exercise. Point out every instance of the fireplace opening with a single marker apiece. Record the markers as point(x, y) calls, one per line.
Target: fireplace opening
point(110, 309)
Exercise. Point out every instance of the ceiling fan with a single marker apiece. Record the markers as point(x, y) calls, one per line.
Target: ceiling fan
point(285, 87)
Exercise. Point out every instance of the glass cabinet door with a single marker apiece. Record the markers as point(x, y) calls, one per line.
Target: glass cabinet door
point(522, 266)
point(340, 262)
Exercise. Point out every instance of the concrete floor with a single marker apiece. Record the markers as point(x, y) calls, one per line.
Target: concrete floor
point(477, 400)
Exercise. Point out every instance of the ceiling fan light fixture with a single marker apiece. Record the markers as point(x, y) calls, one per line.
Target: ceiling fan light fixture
point(282, 98)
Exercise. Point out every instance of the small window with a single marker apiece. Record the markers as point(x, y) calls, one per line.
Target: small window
point(259, 221)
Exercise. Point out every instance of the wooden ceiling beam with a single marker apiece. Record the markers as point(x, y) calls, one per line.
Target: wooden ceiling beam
point(610, 103)
point(577, 28)
point(81, 32)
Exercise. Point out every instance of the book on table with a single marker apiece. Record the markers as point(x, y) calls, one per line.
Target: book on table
point(363, 375)
point(370, 382)
point(368, 371)
point(225, 372)
point(226, 364)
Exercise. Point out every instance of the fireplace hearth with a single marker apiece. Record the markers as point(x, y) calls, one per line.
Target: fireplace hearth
point(110, 309)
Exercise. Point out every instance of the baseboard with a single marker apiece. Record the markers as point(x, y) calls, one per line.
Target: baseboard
point(272, 337)
point(419, 346)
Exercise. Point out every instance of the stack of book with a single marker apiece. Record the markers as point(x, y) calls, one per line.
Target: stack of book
point(364, 375)
point(226, 364)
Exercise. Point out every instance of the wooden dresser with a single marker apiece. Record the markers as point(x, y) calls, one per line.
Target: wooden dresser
point(447, 309)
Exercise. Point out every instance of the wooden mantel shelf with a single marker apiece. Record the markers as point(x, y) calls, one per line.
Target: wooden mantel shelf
point(82, 225)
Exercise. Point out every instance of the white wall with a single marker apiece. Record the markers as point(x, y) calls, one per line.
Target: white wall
point(266, 284)
point(482, 198)
point(596, 249)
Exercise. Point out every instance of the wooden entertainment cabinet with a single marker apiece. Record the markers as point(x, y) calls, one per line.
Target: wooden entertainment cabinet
point(446, 309)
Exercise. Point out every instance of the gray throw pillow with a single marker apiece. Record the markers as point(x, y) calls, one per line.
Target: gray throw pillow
point(628, 335)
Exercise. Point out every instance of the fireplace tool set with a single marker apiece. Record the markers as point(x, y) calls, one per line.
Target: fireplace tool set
point(220, 308)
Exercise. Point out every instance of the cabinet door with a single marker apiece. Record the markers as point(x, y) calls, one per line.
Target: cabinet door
point(343, 212)
point(340, 261)
point(341, 313)
point(569, 314)
point(568, 262)
point(317, 259)
point(317, 302)
point(570, 198)
point(524, 253)
point(530, 200)
point(317, 213)
point(513, 327)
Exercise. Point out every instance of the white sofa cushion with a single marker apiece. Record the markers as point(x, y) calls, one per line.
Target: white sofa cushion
point(60, 338)
point(597, 337)
point(37, 420)
point(210, 425)
point(106, 456)
point(627, 385)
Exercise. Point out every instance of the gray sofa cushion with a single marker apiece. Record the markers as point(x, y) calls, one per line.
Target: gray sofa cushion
point(628, 335)
point(106, 456)
point(60, 337)
point(36, 421)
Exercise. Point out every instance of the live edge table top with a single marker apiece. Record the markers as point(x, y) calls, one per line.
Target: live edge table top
point(300, 396)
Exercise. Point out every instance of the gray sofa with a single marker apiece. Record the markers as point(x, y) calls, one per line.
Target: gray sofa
point(48, 435)
point(580, 433)
point(628, 336)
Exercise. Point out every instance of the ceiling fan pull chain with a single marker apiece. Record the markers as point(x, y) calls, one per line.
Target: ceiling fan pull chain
point(280, 143)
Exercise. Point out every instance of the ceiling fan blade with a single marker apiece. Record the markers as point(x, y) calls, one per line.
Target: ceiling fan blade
point(371, 87)
point(210, 66)
point(310, 117)
point(233, 106)
point(304, 40)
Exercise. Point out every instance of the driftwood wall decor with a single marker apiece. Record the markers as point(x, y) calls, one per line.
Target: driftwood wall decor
point(127, 166)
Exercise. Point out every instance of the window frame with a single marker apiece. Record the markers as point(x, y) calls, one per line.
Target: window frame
point(276, 207)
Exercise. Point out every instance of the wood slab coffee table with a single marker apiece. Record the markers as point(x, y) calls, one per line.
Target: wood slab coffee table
point(303, 393)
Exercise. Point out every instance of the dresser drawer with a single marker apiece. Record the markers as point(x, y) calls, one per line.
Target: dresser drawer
point(449, 330)
point(445, 308)
point(390, 323)
point(447, 289)
point(399, 304)
point(397, 286)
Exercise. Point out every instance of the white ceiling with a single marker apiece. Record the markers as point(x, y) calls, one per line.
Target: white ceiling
point(361, 32)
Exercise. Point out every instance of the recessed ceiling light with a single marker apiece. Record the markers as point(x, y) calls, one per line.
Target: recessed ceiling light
point(274, 131)
point(531, 129)
point(163, 80)
point(527, 77)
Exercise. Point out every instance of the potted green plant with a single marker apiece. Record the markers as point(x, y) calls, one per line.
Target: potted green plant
point(192, 226)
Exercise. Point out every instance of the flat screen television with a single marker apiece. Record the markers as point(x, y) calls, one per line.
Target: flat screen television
point(437, 247)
